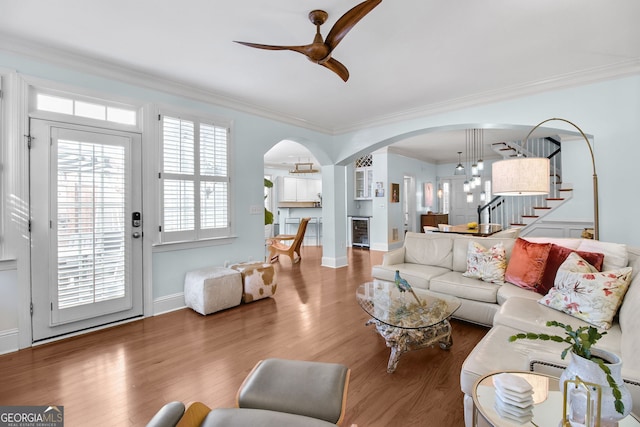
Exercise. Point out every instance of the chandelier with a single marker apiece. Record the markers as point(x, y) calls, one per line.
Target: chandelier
point(474, 143)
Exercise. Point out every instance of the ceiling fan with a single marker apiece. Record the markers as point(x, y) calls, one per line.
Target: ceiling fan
point(320, 50)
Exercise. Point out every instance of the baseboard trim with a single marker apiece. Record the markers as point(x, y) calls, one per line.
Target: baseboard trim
point(335, 262)
point(9, 341)
point(168, 303)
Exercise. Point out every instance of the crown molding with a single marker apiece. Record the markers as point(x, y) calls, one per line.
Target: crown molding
point(130, 75)
point(563, 81)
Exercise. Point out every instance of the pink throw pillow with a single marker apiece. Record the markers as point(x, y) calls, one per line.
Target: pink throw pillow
point(527, 264)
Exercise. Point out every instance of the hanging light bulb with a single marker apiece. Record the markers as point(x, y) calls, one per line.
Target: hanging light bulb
point(466, 187)
point(459, 168)
point(477, 181)
point(474, 169)
point(469, 197)
point(480, 149)
point(483, 196)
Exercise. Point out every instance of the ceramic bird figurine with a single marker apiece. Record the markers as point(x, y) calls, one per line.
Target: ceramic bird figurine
point(404, 286)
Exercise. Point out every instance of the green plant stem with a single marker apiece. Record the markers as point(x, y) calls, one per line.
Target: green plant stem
point(580, 342)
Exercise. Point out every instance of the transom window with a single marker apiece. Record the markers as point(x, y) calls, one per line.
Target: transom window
point(194, 179)
point(92, 109)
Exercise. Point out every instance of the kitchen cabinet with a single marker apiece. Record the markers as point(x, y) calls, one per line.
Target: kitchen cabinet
point(293, 189)
point(363, 183)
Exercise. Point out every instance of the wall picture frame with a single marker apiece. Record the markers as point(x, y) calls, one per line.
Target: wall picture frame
point(395, 193)
point(428, 194)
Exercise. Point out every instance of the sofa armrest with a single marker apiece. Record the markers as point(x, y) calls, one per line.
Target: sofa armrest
point(168, 416)
point(395, 256)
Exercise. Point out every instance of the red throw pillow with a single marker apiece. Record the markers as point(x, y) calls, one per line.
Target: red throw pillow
point(527, 264)
point(557, 255)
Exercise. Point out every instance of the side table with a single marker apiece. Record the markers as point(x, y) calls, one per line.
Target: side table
point(547, 401)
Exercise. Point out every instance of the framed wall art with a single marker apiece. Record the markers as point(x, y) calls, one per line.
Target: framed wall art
point(395, 193)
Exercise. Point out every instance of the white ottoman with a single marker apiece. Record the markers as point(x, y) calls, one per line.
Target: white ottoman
point(212, 289)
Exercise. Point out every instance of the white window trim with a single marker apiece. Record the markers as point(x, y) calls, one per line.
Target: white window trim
point(198, 237)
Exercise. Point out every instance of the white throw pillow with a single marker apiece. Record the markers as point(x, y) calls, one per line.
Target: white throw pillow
point(486, 264)
point(584, 293)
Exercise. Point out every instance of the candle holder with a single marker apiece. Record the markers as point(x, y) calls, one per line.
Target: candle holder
point(582, 402)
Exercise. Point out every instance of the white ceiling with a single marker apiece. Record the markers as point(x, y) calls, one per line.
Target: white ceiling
point(405, 58)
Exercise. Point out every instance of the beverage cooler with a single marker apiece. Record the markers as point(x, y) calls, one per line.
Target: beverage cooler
point(360, 231)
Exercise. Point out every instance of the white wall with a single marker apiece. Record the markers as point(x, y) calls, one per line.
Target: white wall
point(392, 168)
point(8, 307)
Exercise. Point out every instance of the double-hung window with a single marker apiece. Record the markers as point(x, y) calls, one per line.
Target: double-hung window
point(194, 179)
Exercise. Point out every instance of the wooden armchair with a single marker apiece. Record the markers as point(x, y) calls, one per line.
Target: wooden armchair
point(276, 248)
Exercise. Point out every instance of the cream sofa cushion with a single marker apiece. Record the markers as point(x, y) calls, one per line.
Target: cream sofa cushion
point(509, 290)
point(454, 283)
point(615, 254)
point(428, 249)
point(418, 275)
point(567, 242)
point(526, 315)
point(629, 316)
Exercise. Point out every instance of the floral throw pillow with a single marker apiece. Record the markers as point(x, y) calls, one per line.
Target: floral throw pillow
point(486, 264)
point(587, 294)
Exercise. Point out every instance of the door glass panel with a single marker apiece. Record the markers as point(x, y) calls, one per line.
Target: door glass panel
point(90, 223)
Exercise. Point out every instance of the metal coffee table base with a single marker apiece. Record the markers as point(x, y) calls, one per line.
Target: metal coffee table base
point(401, 340)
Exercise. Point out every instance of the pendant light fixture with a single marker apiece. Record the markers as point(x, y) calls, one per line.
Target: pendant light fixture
point(474, 140)
point(459, 169)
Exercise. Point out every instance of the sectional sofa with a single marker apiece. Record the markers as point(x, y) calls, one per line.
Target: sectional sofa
point(442, 262)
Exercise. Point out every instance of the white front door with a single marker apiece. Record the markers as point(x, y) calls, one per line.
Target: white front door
point(86, 242)
point(461, 211)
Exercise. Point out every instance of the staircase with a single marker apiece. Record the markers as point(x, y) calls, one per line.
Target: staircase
point(524, 211)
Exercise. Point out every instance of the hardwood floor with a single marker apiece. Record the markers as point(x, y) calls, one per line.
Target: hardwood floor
point(122, 375)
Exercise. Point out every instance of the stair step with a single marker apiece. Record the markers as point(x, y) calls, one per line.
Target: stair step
point(555, 202)
point(565, 189)
point(528, 219)
point(541, 207)
point(554, 198)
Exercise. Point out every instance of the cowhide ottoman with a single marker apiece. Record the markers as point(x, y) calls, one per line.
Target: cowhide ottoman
point(212, 289)
point(258, 280)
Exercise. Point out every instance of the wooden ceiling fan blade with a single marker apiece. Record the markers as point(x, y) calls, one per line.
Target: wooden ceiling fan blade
point(300, 49)
point(337, 67)
point(348, 21)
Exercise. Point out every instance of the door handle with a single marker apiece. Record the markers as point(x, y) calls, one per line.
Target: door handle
point(136, 235)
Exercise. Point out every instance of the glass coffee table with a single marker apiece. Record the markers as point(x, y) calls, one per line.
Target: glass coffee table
point(403, 322)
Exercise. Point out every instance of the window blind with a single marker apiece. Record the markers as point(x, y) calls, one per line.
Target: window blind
point(195, 181)
point(90, 223)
